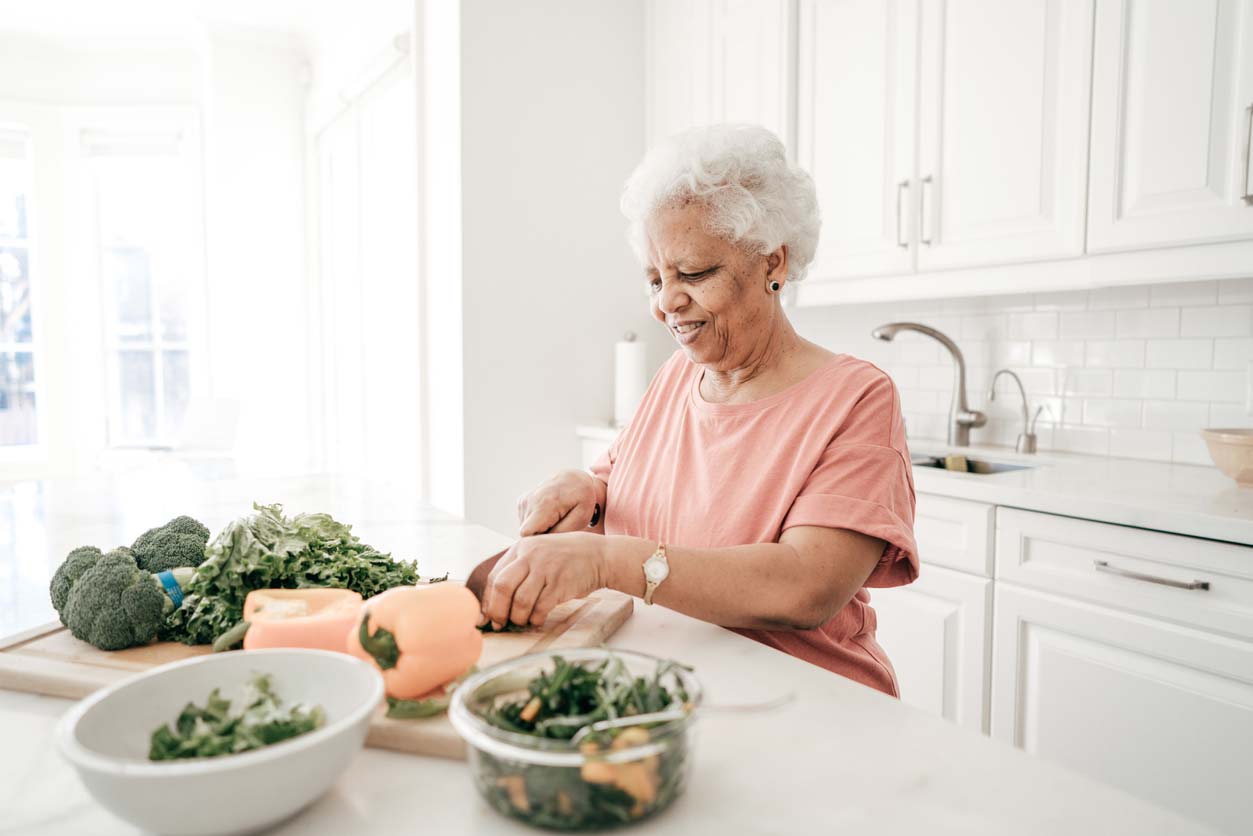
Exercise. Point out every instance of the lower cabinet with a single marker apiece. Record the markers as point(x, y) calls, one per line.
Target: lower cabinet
point(936, 632)
point(1159, 709)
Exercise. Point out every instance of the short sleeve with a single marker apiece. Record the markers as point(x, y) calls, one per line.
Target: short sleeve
point(863, 482)
point(603, 466)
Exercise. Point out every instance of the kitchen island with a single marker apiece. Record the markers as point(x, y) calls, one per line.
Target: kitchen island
point(839, 758)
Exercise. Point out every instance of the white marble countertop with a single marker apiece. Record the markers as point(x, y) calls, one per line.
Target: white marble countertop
point(1178, 498)
point(840, 758)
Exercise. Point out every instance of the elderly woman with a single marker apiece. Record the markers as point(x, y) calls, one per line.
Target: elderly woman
point(763, 482)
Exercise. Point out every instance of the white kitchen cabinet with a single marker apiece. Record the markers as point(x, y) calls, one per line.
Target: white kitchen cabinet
point(936, 630)
point(719, 61)
point(1161, 710)
point(1172, 103)
point(936, 633)
point(1003, 130)
point(855, 135)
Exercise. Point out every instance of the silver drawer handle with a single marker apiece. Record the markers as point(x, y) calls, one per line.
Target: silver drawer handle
point(1103, 566)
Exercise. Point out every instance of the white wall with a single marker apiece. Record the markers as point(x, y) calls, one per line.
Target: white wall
point(253, 101)
point(551, 123)
point(76, 71)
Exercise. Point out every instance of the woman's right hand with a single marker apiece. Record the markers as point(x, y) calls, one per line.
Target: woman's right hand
point(569, 501)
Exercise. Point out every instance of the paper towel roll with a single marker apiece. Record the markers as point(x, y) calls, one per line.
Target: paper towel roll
point(630, 378)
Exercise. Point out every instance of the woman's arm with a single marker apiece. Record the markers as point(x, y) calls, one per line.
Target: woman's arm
point(796, 584)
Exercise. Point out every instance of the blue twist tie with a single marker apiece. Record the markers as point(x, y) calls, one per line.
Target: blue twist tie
point(171, 586)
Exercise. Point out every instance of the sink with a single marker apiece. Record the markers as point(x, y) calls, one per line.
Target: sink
point(978, 466)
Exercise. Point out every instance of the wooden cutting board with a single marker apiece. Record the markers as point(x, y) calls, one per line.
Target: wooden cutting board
point(48, 660)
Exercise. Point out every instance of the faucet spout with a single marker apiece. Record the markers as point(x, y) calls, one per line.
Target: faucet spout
point(961, 417)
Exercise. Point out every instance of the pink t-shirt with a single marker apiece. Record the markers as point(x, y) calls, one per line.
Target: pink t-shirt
point(827, 451)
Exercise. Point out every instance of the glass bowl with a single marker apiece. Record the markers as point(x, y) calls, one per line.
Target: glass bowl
point(612, 778)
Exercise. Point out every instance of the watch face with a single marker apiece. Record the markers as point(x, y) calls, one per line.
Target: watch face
point(656, 569)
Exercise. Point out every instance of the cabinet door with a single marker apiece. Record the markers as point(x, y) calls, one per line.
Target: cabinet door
point(855, 131)
point(1160, 710)
point(678, 63)
point(754, 56)
point(935, 631)
point(1003, 132)
point(1172, 89)
point(719, 61)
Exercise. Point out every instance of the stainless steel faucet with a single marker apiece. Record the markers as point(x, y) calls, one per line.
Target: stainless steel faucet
point(1026, 438)
point(961, 418)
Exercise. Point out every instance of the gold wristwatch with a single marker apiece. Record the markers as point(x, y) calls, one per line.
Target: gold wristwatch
point(656, 570)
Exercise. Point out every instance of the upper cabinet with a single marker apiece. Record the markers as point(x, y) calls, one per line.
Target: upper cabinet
point(855, 114)
point(971, 146)
point(1003, 130)
point(1172, 101)
point(719, 61)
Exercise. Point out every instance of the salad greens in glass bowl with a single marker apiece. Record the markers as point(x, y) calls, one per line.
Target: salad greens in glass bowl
point(543, 747)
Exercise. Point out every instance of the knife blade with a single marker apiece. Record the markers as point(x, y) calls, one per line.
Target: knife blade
point(478, 578)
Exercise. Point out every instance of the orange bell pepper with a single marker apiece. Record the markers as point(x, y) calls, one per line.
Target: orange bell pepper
point(314, 618)
point(420, 637)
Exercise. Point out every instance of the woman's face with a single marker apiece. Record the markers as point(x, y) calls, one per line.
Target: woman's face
point(709, 292)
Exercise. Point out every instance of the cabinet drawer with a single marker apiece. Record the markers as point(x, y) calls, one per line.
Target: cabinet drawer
point(955, 533)
point(1129, 568)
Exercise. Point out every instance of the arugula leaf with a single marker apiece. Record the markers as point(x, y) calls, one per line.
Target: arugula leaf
point(258, 719)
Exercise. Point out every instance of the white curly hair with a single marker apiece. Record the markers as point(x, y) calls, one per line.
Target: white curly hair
point(754, 196)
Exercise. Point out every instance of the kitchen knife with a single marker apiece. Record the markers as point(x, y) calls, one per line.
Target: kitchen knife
point(478, 578)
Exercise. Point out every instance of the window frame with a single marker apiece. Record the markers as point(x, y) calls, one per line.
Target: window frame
point(39, 125)
point(182, 123)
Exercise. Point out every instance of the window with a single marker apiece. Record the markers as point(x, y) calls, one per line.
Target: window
point(149, 254)
point(18, 425)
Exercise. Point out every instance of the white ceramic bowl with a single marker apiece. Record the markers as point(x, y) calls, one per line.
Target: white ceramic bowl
point(1232, 450)
point(106, 737)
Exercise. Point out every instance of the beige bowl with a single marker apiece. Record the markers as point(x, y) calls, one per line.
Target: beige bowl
point(1232, 450)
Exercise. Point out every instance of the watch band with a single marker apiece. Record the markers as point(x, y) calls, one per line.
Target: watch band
point(650, 584)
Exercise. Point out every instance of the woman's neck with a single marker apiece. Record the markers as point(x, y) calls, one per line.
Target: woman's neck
point(763, 371)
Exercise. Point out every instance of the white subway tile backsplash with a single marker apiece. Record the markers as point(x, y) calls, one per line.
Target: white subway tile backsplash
point(1108, 412)
point(1229, 415)
point(1094, 440)
point(1087, 323)
point(1039, 325)
point(1179, 354)
point(1235, 291)
point(1233, 352)
point(917, 351)
point(1126, 371)
point(1151, 322)
point(1118, 298)
point(1182, 294)
point(1175, 415)
point(1086, 382)
point(1144, 383)
point(1115, 354)
point(1223, 387)
point(1132, 443)
point(984, 327)
point(1188, 447)
point(1056, 353)
point(1062, 300)
point(1217, 321)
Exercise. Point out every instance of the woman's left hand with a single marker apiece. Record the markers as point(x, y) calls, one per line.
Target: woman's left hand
point(538, 573)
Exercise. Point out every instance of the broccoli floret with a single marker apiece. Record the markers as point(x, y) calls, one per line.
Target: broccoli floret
point(180, 542)
point(71, 569)
point(115, 604)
